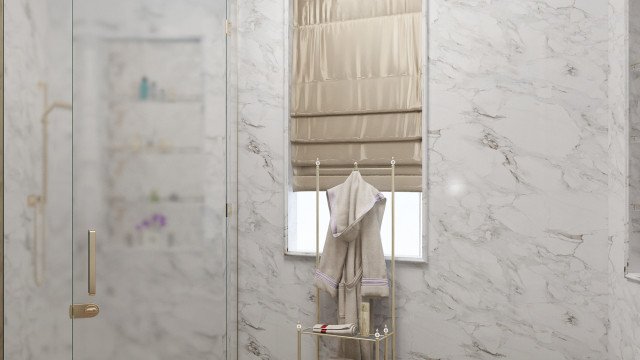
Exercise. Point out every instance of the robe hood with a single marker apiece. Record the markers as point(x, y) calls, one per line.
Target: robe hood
point(349, 203)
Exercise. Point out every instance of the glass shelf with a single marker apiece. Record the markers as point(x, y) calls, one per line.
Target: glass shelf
point(176, 101)
point(155, 149)
point(372, 337)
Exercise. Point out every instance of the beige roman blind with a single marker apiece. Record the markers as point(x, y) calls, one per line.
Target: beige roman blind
point(356, 92)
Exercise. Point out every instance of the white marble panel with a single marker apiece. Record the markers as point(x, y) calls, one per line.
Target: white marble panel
point(518, 122)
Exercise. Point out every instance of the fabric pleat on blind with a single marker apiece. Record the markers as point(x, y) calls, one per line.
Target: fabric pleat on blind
point(356, 92)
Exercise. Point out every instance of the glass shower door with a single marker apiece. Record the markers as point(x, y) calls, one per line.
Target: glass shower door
point(150, 184)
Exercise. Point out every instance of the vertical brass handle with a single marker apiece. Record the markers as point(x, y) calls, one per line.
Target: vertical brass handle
point(92, 262)
point(80, 311)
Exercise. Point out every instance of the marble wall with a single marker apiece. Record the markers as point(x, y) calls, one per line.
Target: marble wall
point(527, 262)
point(518, 114)
point(624, 302)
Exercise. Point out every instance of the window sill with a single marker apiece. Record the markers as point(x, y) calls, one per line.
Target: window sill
point(410, 260)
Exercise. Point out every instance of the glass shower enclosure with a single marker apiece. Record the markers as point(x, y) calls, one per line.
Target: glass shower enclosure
point(153, 265)
point(151, 166)
point(120, 180)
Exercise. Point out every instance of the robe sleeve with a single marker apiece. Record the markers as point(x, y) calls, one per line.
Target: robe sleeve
point(374, 268)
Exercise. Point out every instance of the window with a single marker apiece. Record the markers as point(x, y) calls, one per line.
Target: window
point(355, 95)
point(302, 238)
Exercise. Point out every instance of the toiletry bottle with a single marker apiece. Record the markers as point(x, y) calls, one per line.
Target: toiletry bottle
point(364, 318)
point(143, 92)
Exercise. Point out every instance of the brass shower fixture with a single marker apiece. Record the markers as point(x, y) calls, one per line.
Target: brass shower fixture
point(38, 201)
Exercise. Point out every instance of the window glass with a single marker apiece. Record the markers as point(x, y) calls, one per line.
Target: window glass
point(408, 223)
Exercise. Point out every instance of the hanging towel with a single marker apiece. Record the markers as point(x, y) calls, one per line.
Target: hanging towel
point(352, 265)
point(342, 329)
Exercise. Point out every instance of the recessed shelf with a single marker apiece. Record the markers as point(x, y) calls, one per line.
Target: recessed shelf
point(175, 101)
point(180, 200)
point(155, 150)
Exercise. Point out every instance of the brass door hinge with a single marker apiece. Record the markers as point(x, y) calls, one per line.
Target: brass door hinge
point(228, 210)
point(227, 27)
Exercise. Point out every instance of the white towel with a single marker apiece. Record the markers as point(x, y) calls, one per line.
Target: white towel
point(341, 329)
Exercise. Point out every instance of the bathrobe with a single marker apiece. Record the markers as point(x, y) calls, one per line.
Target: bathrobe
point(352, 266)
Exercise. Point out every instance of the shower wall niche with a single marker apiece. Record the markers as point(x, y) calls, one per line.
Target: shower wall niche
point(154, 125)
point(633, 260)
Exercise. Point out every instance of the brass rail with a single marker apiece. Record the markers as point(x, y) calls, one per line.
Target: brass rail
point(377, 337)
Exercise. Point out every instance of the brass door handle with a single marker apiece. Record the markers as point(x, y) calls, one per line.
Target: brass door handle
point(92, 262)
point(80, 311)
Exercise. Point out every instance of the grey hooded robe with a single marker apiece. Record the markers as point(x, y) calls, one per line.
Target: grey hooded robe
point(352, 265)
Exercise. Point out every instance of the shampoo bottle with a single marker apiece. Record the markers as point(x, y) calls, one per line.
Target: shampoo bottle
point(143, 91)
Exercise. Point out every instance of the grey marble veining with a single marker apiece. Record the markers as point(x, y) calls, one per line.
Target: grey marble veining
point(518, 115)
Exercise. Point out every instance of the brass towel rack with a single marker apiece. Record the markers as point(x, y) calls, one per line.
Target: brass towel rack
point(375, 338)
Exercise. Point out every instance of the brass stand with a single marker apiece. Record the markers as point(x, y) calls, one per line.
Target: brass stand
point(376, 338)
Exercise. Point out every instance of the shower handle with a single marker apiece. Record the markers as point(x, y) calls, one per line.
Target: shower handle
point(92, 262)
point(79, 311)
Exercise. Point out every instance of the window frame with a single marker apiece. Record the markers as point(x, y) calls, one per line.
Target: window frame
point(289, 197)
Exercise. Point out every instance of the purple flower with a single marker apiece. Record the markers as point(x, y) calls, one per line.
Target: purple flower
point(156, 220)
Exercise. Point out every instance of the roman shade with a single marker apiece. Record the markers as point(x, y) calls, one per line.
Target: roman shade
point(356, 92)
